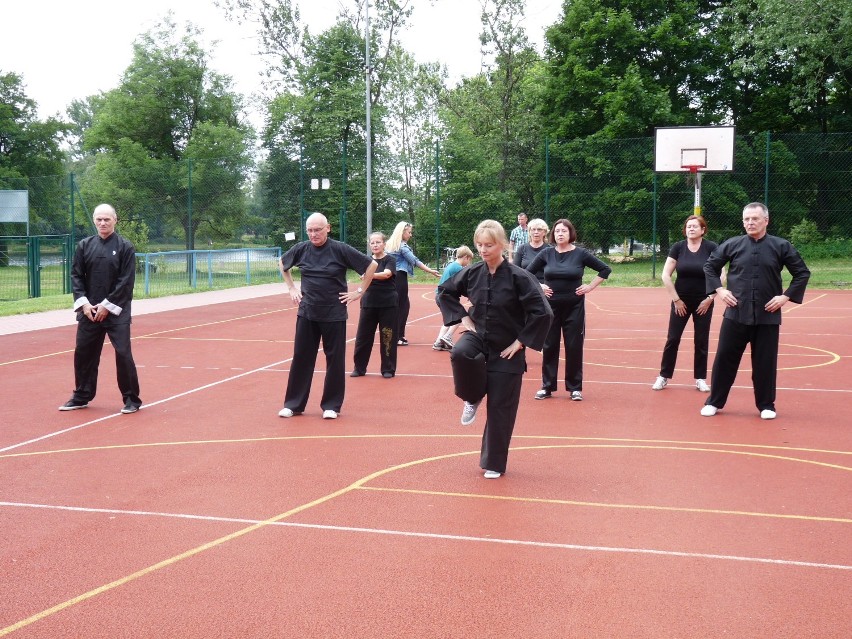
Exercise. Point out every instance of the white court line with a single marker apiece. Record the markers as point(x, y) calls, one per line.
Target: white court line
point(422, 535)
point(148, 405)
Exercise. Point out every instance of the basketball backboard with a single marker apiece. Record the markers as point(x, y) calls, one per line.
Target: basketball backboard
point(690, 148)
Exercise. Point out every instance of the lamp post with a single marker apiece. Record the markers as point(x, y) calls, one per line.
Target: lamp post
point(368, 72)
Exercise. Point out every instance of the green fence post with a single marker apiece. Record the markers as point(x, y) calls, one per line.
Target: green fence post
point(34, 265)
point(547, 180)
point(301, 194)
point(766, 171)
point(343, 230)
point(71, 252)
point(190, 235)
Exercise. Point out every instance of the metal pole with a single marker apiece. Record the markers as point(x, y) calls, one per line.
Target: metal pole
point(697, 205)
point(367, 71)
point(654, 233)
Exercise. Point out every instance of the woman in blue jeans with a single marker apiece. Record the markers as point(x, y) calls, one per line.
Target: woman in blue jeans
point(406, 260)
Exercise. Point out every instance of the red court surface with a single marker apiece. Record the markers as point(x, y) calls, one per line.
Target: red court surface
point(625, 515)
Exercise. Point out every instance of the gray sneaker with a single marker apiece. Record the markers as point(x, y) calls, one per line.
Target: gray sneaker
point(576, 396)
point(469, 413)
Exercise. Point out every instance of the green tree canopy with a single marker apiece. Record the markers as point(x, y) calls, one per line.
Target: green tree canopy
point(171, 124)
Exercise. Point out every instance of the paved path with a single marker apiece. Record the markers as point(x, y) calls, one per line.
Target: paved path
point(53, 319)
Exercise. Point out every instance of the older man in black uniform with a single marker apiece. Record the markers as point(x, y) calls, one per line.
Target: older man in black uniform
point(102, 278)
point(754, 300)
point(322, 301)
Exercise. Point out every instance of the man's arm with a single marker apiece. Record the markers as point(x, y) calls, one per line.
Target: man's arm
point(350, 296)
point(292, 289)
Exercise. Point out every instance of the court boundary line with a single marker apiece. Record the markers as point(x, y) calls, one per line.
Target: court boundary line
point(426, 535)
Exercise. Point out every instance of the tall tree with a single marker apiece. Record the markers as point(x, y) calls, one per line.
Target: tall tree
point(171, 138)
point(808, 43)
point(493, 152)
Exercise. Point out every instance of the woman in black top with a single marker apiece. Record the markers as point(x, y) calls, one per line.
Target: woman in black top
point(378, 308)
point(562, 265)
point(525, 253)
point(689, 299)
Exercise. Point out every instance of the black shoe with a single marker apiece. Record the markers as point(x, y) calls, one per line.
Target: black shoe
point(129, 408)
point(387, 375)
point(356, 373)
point(73, 404)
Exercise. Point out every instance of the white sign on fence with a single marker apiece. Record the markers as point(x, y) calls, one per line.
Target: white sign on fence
point(15, 206)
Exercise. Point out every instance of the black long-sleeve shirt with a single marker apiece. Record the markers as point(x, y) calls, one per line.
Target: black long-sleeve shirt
point(508, 305)
point(103, 273)
point(754, 275)
point(563, 272)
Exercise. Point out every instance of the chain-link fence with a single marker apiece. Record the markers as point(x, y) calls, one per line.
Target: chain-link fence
point(607, 188)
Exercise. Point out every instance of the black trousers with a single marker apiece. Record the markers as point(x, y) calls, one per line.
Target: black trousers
point(386, 320)
point(305, 348)
point(701, 339)
point(569, 325)
point(87, 359)
point(733, 339)
point(401, 282)
point(473, 381)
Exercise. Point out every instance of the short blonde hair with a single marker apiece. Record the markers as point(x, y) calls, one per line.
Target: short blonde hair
point(492, 230)
point(538, 223)
point(463, 251)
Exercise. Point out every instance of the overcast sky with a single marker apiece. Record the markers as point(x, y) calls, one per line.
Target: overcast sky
point(68, 50)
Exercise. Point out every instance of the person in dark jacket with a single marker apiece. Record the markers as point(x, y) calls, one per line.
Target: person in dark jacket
point(102, 277)
point(508, 314)
point(753, 300)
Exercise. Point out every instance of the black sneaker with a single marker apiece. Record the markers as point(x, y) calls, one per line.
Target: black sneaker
point(73, 404)
point(129, 408)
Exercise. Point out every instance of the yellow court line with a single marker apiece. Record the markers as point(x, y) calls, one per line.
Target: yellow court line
point(351, 487)
point(149, 335)
point(593, 504)
point(805, 303)
point(666, 444)
point(212, 544)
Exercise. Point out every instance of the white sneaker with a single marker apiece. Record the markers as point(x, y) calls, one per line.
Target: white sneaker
point(701, 385)
point(659, 383)
point(708, 411)
point(329, 414)
point(576, 396)
point(448, 342)
point(491, 474)
point(285, 412)
point(469, 413)
point(767, 414)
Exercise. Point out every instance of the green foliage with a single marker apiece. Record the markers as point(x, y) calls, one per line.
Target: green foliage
point(30, 149)
point(170, 124)
point(804, 233)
